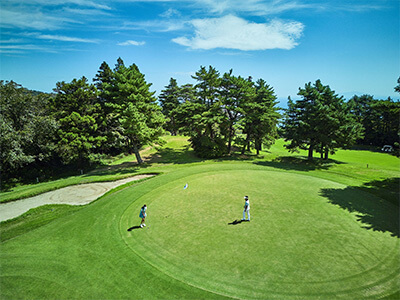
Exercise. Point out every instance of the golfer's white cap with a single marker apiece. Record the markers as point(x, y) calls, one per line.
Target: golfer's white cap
point(246, 197)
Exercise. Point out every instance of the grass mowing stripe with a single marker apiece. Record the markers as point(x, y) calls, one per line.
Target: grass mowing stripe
point(171, 275)
point(95, 262)
point(123, 229)
point(166, 255)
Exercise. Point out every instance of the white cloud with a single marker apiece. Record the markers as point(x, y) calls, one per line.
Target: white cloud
point(84, 3)
point(31, 19)
point(232, 32)
point(171, 12)
point(131, 43)
point(25, 47)
point(253, 7)
point(86, 11)
point(12, 41)
point(48, 15)
point(64, 38)
point(266, 7)
point(154, 25)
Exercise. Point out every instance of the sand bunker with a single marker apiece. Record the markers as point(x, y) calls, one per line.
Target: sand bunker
point(74, 195)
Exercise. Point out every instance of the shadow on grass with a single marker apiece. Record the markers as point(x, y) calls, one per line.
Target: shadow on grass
point(186, 155)
point(299, 163)
point(123, 168)
point(378, 214)
point(134, 227)
point(169, 155)
point(237, 222)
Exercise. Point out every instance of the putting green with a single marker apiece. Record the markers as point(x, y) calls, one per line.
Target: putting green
point(297, 245)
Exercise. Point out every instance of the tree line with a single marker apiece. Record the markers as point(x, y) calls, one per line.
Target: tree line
point(77, 124)
point(81, 122)
point(323, 121)
point(221, 113)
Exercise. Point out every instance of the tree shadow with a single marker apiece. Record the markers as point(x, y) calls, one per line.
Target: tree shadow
point(134, 227)
point(378, 214)
point(168, 155)
point(299, 163)
point(120, 169)
point(387, 189)
point(186, 155)
point(238, 157)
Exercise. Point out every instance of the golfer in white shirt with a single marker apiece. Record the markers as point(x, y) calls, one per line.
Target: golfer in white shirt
point(246, 208)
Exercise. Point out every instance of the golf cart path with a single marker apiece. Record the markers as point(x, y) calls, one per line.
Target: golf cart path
point(74, 195)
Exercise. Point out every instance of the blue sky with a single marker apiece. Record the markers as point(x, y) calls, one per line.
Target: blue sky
point(351, 45)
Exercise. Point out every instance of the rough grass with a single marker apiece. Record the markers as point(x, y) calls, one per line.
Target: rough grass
point(34, 219)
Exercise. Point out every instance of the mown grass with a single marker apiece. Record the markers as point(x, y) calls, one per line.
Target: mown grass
point(321, 230)
point(297, 242)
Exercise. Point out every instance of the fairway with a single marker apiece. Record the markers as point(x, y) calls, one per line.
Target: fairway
point(296, 245)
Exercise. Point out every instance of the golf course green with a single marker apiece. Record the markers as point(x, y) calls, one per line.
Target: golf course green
point(316, 232)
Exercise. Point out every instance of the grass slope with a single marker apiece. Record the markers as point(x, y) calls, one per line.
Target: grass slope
point(318, 231)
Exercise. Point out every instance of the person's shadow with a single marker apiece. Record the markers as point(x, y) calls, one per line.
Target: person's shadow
point(236, 222)
point(134, 227)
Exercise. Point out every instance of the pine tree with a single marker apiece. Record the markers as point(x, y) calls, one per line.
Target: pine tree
point(169, 100)
point(107, 126)
point(261, 117)
point(208, 138)
point(235, 92)
point(77, 109)
point(134, 109)
point(379, 118)
point(397, 87)
point(319, 122)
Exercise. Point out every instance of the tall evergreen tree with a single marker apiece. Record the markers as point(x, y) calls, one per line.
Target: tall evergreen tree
point(107, 126)
point(361, 107)
point(103, 77)
point(387, 125)
point(187, 93)
point(186, 110)
point(235, 92)
point(319, 121)
point(397, 87)
point(135, 108)
point(261, 117)
point(169, 100)
point(224, 109)
point(208, 85)
point(379, 119)
point(208, 139)
point(77, 110)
